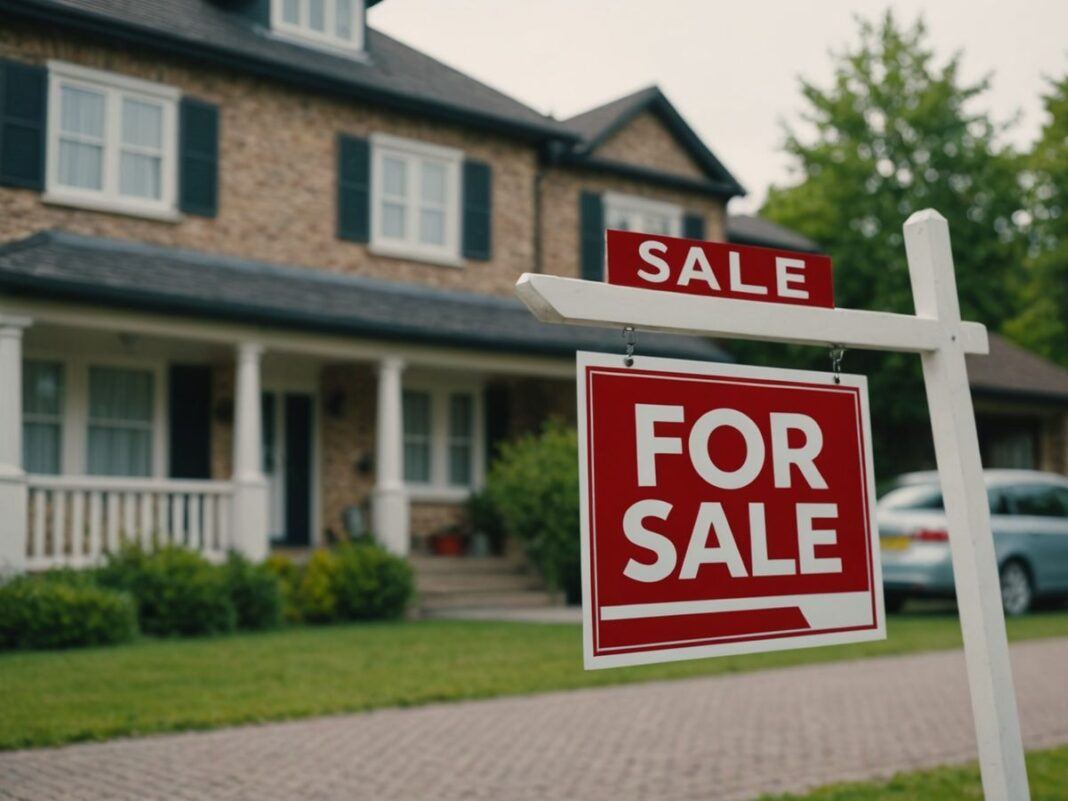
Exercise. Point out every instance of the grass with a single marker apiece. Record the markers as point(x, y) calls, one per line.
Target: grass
point(49, 698)
point(1046, 770)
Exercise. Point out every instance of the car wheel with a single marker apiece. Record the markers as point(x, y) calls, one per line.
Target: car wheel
point(893, 602)
point(1017, 594)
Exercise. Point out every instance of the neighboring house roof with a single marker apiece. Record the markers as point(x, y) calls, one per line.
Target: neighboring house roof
point(599, 124)
point(1014, 371)
point(60, 265)
point(748, 229)
point(390, 73)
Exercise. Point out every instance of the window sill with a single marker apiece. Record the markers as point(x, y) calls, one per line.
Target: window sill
point(412, 254)
point(54, 198)
point(323, 44)
point(430, 493)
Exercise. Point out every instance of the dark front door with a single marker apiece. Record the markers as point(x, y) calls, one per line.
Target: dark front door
point(298, 458)
point(190, 421)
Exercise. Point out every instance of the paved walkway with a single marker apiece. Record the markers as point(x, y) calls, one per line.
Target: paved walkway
point(730, 737)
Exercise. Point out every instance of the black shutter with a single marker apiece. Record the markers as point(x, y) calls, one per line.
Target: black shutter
point(693, 226)
point(23, 111)
point(190, 421)
point(478, 218)
point(353, 189)
point(256, 11)
point(199, 157)
point(298, 435)
point(591, 236)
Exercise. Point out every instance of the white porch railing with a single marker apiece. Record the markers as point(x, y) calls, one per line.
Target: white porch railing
point(74, 520)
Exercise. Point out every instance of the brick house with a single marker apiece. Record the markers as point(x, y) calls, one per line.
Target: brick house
point(256, 271)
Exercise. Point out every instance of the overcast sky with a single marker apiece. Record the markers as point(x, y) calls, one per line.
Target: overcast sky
point(731, 68)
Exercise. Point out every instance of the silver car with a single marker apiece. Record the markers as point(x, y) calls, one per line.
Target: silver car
point(1029, 518)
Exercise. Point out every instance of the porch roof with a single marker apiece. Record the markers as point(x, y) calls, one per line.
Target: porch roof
point(59, 265)
point(1011, 371)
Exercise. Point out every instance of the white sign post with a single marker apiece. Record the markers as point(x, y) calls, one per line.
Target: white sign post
point(937, 333)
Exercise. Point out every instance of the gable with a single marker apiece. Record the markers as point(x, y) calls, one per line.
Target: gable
point(646, 142)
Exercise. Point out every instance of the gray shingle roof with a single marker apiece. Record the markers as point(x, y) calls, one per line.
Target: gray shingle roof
point(748, 229)
point(60, 265)
point(1015, 371)
point(391, 71)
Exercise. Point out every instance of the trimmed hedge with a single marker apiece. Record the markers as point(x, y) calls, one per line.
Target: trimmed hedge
point(63, 612)
point(255, 592)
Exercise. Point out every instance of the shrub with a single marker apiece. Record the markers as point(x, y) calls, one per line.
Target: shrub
point(534, 486)
point(288, 574)
point(371, 584)
point(62, 611)
point(177, 591)
point(255, 591)
point(317, 590)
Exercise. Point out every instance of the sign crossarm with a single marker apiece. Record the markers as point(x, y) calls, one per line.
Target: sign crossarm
point(554, 299)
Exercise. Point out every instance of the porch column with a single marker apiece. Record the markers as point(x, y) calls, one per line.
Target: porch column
point(250, 513)
point(12, 476)
point(389, 512)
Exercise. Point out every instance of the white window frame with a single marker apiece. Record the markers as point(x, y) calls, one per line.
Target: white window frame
point(619, 203)
point(412, 153)
point(441, 389)
point(303, 33)
point(115, 88)
point(74, 446)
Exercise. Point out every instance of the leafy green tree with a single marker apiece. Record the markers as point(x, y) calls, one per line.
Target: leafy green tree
point(1042, 323)
point(896, 132)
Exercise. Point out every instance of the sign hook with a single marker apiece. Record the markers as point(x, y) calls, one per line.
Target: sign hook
point(630, 337)
point(837, 353)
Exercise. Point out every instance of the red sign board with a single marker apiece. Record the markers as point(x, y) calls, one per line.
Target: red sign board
point(719, 269)
point(725, 509)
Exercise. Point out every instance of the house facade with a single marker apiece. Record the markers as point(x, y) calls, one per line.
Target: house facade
point(256, 271)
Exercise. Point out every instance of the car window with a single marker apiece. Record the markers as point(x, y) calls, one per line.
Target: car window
point(914, 496)
point(999, 504)
point(1040, 500)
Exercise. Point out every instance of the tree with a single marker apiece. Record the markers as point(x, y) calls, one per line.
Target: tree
point(1042, 323)
point(892, 134)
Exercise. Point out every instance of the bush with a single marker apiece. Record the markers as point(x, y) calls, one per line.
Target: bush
point(255, 591)
point(534, 486)
point(177, 591)
point(288, 574)
point(62, 611)
point(371, 583)
point(317, 589)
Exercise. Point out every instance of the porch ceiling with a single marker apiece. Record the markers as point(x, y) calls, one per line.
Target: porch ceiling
point(62, 266)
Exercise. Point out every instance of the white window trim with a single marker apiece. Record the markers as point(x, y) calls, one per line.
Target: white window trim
point(109, 199)
point(383, 145)
point(74, 445)
point(300, 34)
point(440, 388)
point(617, 201)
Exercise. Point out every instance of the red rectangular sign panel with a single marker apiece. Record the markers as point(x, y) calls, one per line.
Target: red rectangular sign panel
point(741, 272)
point(725, 509)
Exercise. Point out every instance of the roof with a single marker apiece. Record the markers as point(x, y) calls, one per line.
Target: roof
point(119, 273)
point(391, 73)
point(748, 229)
point(598, 124)
point(1013, 371)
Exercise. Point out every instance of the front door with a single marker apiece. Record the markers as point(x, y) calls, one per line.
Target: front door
point(287, 462)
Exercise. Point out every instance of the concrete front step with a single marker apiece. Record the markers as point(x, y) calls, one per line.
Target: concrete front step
point(434, 565)
point(527, 599)
point(476, 582)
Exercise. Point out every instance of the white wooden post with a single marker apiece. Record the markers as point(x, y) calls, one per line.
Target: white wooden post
point(249, 509)
point(390, 508)
point(13, 512)
point(975, 568)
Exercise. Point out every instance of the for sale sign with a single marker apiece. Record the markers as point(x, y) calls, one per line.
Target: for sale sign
point(725, 510)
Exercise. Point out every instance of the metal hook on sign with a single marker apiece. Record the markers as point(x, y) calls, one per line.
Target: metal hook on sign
point(630, 337)
point(837, 354)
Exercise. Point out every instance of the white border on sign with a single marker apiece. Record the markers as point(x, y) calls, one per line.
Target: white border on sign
point(672, 652)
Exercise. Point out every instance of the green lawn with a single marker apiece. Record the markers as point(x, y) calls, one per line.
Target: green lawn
point(1046, 770)
point(47, 698)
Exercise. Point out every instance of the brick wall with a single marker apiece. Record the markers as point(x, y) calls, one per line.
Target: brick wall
point(645, 142)
point(277, 179)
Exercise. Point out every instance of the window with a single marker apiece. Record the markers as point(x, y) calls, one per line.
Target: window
point(1041, 500)
point(121, 415)
point(417, 437)
point(632, 213)
point(330, 23)
point(461, 438)
point(111, 141)
point(415, 200)
point(42, 416)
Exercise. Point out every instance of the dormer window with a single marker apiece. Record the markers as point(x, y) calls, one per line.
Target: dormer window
point(327, 23)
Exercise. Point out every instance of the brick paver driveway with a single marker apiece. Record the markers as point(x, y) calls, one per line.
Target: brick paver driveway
point(730, 737)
